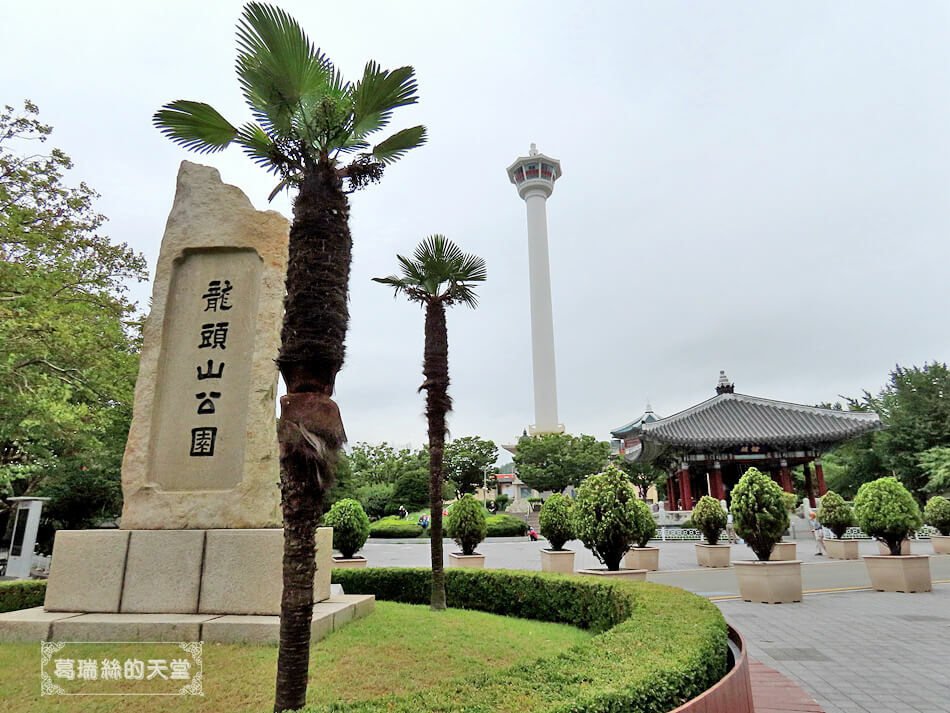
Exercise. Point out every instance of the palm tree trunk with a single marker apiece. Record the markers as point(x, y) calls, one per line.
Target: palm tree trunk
point(310, 432)
point(435, 368)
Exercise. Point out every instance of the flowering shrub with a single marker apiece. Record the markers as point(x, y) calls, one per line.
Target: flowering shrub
point(605, 516)
point(555, 521)
point(466, 524)
point(937, 514)
point(759, 512)
point(835, 514)
point(709, 517)
point(886, 510)
point(350, 526)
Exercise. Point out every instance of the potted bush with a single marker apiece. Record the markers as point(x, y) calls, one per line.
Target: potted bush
point(760, 517)
point(937, 514)
point(886, 511)
point(642, 556)
point(786, 551)
point(468, 527)
point(835, 514)
point(350, 525)
point(604, 519)
point(555, 525)
point(710, 519)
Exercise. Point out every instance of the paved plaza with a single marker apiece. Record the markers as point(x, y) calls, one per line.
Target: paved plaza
point(855, 650)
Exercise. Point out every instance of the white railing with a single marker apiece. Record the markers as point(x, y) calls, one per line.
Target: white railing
point(855, 533)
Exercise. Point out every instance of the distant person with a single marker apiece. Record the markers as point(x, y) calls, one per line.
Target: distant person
point(819, 532)
point(403, 513)
point(424, 521)
point(532, 533)
point(730, 529)
point(492, 507)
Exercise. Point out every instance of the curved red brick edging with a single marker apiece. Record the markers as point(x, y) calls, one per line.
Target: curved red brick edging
point(733, 692)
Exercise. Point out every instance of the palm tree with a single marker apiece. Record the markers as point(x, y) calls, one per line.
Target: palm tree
point(438, 275)
point(314, 131)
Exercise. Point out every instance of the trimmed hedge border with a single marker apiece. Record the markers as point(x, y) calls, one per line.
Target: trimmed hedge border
point(657, 647)
point(22, 594)
point(506, 526)
point(394, 529)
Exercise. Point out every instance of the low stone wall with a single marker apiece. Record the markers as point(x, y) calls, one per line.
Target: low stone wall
point(733, 693)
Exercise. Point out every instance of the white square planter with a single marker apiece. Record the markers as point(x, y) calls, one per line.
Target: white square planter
point(561, 561)
point(904, 573)
point(941, 544)
point(783, 552)
point(713, 555)
point(842, 549)
point(622, 573)
point(457, 559)
point(352, 563)
point(905, 548)
point(769, 582)
point(647, 558)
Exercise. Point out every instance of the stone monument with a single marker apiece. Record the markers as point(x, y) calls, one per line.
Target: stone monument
point(199, 544)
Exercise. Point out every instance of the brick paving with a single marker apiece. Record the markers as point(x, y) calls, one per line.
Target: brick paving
point(856, 652)
point(774, 693)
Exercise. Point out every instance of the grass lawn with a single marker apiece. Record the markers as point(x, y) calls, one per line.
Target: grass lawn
point(397, 649)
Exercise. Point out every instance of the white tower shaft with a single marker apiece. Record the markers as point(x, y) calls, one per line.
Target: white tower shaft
point(542, 318)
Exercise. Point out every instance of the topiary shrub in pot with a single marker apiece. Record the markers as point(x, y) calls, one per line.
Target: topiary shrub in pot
point(642, 556)
point(604, 519)
point(350, 525)
point(886, 510)
point(467, 525)
point(835, 514)
point(937, 514)
point(710, 519)
point(760, 517)
point(557, 528)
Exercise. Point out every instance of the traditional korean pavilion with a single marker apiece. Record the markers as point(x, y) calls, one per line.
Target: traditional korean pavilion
point(714, 442)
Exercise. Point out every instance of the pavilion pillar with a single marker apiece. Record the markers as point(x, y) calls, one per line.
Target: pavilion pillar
point(809, 485)
point(785, 477)
point(686, 492)
point(672, 496)
point(820, 476)
point(715, 482)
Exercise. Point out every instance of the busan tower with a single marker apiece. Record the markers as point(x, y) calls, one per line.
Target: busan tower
point(534, 175)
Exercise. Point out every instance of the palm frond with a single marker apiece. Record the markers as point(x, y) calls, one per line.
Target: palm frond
point(278, 65)
point(439, 270)
point(195, 125)
point(396, 146)
point(260, 148)
point(464, 294)
point(379, 92)
point(472, 269)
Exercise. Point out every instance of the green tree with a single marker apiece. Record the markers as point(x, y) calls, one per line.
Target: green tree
point(835, 514)
point(411, 490)
point(643, 475)
point(69, 335)
point(438, 275)
point(350, 526)
point(935, 465)
point(885, 510)
point(555, 521)
point(467, 524)
point(915, 408)
point(552, 461)
point(605, 516)
point(314, 131)
point(710, 518)
point(759, 512)
point(373, 464)
point(467, 460)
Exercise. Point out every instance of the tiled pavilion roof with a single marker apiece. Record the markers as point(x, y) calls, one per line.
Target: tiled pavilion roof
point(730, 419)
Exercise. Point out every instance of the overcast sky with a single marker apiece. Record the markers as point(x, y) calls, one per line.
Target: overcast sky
point(755, 187)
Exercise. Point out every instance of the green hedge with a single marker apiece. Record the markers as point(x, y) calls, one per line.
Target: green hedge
point(22, 594)
point(658, 647)
point(394, 528)
point(506, 526)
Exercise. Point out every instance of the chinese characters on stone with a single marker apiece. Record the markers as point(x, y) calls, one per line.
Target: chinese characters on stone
point(213, 335)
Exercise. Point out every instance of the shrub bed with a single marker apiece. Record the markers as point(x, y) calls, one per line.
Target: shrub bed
point(658, 647)
point(23, 594)
point(394, 528)
point(505, 526)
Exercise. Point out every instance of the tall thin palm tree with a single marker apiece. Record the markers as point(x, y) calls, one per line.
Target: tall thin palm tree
point(437, 276)
point(314, 131)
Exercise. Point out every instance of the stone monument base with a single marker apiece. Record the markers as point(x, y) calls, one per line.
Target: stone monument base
point(187, 572)
point(37, 624)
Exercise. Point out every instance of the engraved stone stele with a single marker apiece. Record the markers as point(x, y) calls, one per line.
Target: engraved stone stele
point(202, 448)
point(199, 535)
